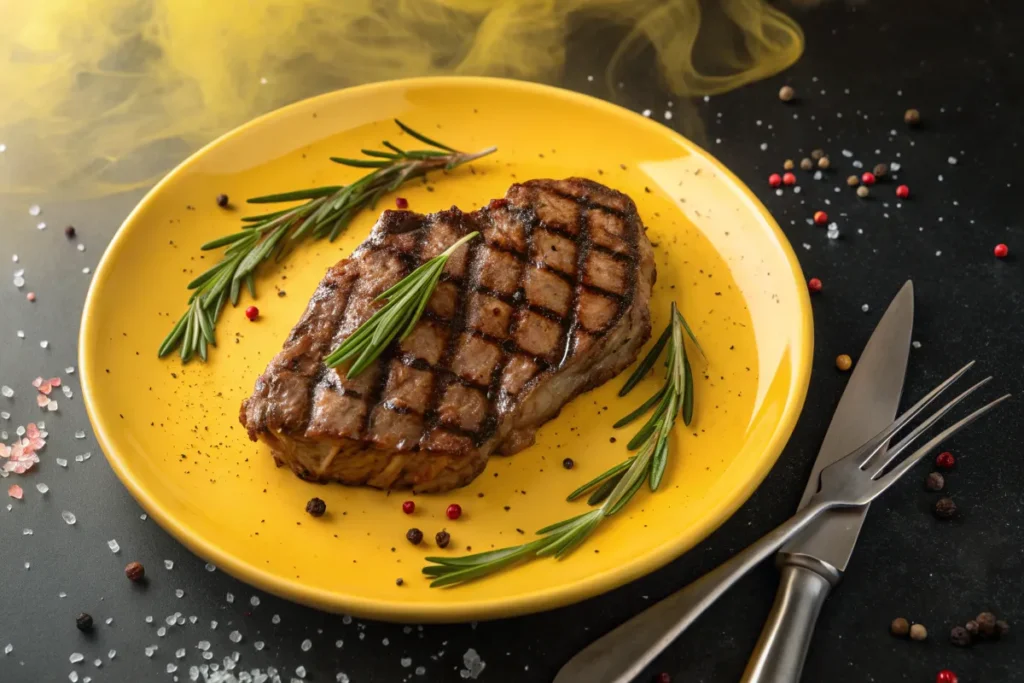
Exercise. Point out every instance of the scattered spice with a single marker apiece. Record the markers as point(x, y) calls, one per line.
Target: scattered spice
point(1002, 628)
point(945, 508)
point(935, 482)
point(401, 202)
point(972, 627)
point(414, 536)
point(1001, 251)
point(399, 581)
point(945, 460)
point(986, 623)
point(902, 191)
point(454, 511)
point(135, 572)
point(820, 217)
point(959, 636)
point(946, 676)
point(316, 507)
point(788, 179)
point(899, 627)
point(918, 632)
point(442, 538)
point(912, 117)
point(853, 181)
point(409, 507)
point(663, 678)
point(881, 170)
point(806, 164)
point(83, 622)
point(252, 313)
point(867, 177)
point(844, 362)
point(824, 163)
point(788, 164)
point(817, 154)
point(863, 192)
point(775, 180)
point(814, 284)
point(222, 200)
point(31, 296)
point(786, 93)
point(568, 463)
point(69, 232)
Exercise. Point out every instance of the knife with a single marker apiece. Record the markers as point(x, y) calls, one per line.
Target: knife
point(813, 562)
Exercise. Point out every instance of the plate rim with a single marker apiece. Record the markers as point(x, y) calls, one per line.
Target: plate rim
point(492, 608)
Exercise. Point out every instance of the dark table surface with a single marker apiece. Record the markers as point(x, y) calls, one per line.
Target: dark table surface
point(864, 65)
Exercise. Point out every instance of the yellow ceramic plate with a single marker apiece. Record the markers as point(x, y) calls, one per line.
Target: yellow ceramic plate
point(172, 434)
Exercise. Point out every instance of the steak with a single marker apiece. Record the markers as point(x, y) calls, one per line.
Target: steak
point(551, 302)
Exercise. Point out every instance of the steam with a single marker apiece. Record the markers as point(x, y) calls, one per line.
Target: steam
point(106, 95)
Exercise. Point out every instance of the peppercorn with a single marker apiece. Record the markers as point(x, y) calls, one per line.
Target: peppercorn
point(135, 571)
point(775, 180)
point(806, 164)
point(401, 203)
point(820, 217)
point(817, 154)
point(442, 538)
point(945, 508)
point(84, 622)
point(814, 284)
point(252, 313)
point(69, 232)
point(222, 200)
point(959, 636)
point(454, 511)
point(786, 93)
point(316, 507)
point(824, 163)
point(863, 192)
point(935, 482)
point(788, 179)
point(899, 627)
point(408, 507)
point(844, 362)
point(902, 191)
point(946, 676)
point(867, 177)
point(853, 181)
point(788, 164)
point(1002, 628)
point(945, 460)
point(918, 632)
point(568, 463)
point(972, 627)
point(1001, 251)
point(881, 170)
point(986, 623)
point(414, 536)
point(399, 581)
point(912, 117)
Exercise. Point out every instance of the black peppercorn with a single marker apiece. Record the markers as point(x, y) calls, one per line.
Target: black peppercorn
point(899, 627)
point(69, 232)
point(959, 636)
point(135, 572)
point(935, 482)
point(1002, 628)
point(84, 622)
point(568, 463)
point(945, 508)
point(442, 538)
point(414, 536)
point(986, 623)
point(316, 507)
point(399, 581)
point(222, 200)
point(881, 170)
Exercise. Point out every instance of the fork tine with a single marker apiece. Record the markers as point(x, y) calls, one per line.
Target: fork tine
point(888, 480)
point(878, 442)
point(910, 438)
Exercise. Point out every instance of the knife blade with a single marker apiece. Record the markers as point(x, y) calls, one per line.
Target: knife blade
point(814, 561)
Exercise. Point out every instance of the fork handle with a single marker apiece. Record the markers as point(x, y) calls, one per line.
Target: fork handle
point(621, 654)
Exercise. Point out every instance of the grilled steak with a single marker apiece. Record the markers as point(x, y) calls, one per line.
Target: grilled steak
point(550, 302)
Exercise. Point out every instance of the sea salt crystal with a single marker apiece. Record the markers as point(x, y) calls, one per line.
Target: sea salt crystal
point(235, 637)
point(67, 391)
point(276, 619)
point(895, 166)
point(150, 650)
point(178, 593)
point(341, 678)
point(51, 406)
point(114, 547)
point(668, 115)
point(420, 670)
point(952, 161)
point(833, 233)
point(143, 516)
point(34, 210)
point(339, 643)
point(5, 415)
point(346, 619)
point(80, 434)
point(21, 334)
point(474, 666)
point(162, 631)
point(73, 677)
point(149, 619)
point(300, 671)
point(406, 662)
point(864, 308)
point(210, 567)
point(230, 597)
point(19, 281)
point(70, 369)
point(171, 618)
point(20, 431)
point(26, 532)
point(171, 667)
point(254, 601)
point(62, 462)
point(647, 113)
point(916, 344)
point(6, 391)
point(307, 645)
point(81, 247)
point(847, 153)
point(193, 619)
point(203, 645)
point(44, 344)
point(97, 663)
point(62, 595)
point(764, 146)
point(28, 565)
point(40, 225)
point(111, 654)
point(213, 625)
point(258, 645)
point(76, 657)
point(8, 649)
point(168, 564)
point(69, 517)
point(86, 270)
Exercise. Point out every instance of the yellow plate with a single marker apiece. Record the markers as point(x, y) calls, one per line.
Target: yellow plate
point(172, 434)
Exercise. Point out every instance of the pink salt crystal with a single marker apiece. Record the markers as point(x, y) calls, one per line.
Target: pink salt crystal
point(45, 388)
point(5, 450)
point(31, 430)
point(31, 296)
point(54, 381)
point(42, 400)
point(37, 382)
point(15, 492)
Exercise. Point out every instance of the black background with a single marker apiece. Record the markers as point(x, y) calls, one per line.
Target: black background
point(864, 66)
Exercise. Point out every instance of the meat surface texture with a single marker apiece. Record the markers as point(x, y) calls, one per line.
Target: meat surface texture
point(551, 302)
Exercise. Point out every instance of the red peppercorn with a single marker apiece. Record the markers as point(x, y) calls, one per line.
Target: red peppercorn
point(454, 511)
point(945, 460)
point(946, 676)
point(663, 678)
point(788, 179)
point(867, 178)
point(820, 217)
point(408, 507)
point(814, 284)
point(401, 202)
point(252, 313)
point(902, 191)
point(774, 180)
point(1001, 251)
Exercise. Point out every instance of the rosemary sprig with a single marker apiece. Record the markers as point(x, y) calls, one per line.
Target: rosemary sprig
point(406, 300)
point(325, 212)
point(613, 489)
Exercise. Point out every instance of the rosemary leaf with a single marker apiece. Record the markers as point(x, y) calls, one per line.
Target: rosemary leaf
point(647, 363)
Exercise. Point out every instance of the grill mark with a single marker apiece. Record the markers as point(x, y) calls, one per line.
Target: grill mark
point(317, 379)
point(525, 258)
point(583, 199)
point(458, 430)
point(582, 251)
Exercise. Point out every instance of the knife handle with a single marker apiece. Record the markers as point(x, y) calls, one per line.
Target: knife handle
point(779, 654)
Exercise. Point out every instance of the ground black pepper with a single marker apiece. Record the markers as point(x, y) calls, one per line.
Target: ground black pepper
point(442, 538)
point(945, 508)
point(84, 622)
point(316, 507)
point(414, 536)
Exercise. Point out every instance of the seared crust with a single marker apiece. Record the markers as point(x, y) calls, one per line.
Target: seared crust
point(553, 301)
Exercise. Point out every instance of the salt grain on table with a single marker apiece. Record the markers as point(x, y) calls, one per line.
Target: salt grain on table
point(80, 434)
point(168, 564)
point(307, 645)
point(76, 657)
point(235, 637)
point(179, 593)
point(114, 547)
point(254, 601)
point(42, 488)
point(68, 517)
point(300, 671)
point(62, 462)
point(34, 210)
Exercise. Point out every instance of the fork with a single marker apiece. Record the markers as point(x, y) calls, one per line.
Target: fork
point(856, 479)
